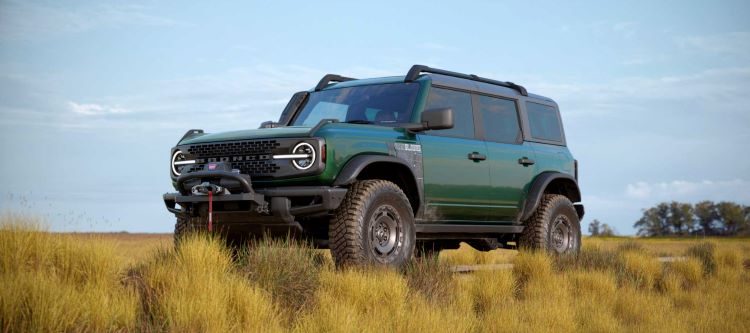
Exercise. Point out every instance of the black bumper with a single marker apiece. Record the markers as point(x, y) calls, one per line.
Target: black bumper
point(263, 205)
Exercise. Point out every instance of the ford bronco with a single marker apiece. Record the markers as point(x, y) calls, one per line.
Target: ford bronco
point(387, 169)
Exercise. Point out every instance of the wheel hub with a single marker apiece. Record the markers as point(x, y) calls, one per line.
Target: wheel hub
point(560, 235)
point(384, 232)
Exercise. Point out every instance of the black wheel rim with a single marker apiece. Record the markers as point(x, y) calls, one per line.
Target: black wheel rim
point(561, 234)
point(385, 232)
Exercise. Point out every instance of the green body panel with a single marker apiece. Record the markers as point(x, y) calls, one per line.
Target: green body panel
point(367, 82)
point(456, 188)
point(262, 133)
point(509, 180)
point(552, 158)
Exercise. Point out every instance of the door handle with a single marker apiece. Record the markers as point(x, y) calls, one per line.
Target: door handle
point(525, 161)
point(476, 157)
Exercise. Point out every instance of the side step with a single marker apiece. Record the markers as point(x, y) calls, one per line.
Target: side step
point(467, 229)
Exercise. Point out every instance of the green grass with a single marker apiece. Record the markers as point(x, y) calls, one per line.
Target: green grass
point(64, 282)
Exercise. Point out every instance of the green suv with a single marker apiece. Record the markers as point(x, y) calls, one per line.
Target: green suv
point(387, 169)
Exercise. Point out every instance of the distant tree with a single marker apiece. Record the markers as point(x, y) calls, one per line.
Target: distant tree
point(681, 218)
point(594, 227)
point(606, 231)
point(597, 228)
point(707, 217)
point(732, 217)
point(655, 221)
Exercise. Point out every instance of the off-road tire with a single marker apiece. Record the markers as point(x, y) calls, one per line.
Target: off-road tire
point(360, 230)
point(554, 227)
point(182, 228)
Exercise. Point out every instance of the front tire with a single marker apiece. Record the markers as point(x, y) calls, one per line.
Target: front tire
point(374, 225)
point(182, 228)
point(554, 227)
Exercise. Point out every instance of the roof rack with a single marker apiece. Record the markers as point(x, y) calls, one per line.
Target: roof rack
point(328, 78)
point(415, 70)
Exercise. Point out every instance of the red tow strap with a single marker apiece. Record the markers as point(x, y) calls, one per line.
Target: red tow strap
point(210, 210)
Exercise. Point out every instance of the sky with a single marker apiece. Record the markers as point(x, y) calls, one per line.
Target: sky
point(654, 95)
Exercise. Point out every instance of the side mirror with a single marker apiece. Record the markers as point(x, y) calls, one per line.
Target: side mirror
point(433, 119)
point(437, 119)
point(269, 124)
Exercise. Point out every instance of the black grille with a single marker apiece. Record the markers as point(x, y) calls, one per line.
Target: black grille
point(223, 149)
point(250, 157)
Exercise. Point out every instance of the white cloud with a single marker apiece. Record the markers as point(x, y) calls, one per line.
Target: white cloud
point(95, 109)
point(731, 43)
point(26, 20)
point(681, 190)
point(723, 90)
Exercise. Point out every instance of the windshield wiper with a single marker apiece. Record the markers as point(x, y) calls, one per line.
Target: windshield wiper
point(359, 121)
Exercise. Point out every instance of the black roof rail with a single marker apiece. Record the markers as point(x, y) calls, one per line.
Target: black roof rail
point(415, 70)
point(328, 78)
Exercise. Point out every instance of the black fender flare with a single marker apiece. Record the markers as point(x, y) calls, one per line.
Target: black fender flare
point(355, 165)
point(539, 185)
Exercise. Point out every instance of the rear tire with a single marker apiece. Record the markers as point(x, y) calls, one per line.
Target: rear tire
point(554, 227)
point(374, 225)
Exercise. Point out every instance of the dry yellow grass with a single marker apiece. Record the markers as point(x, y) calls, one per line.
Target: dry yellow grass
point(63, 282)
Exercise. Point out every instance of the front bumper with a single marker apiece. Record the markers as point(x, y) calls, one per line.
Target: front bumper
point(275, 205)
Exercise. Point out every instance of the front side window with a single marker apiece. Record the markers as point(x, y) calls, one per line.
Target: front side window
point(383, 104)
point(543, 122)
point(460, 102)
point(499, 119)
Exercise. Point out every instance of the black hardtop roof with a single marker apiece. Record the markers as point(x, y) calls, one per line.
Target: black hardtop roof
point(439, 77)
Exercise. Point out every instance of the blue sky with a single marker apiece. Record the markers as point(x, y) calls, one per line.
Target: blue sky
point(655, 96)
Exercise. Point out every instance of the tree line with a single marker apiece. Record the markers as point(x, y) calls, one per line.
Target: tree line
point(705, 218)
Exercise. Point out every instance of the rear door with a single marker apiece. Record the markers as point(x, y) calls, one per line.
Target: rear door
point(456, 173)
point(509, 157)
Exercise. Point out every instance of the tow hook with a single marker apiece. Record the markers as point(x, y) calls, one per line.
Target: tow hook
point(209, 189)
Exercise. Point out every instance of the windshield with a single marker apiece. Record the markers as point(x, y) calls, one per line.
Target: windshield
point(383, 104)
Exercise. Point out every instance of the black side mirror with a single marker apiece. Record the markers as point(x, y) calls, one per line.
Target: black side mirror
point(437, 119)
point(433, 119)
point(269, 124)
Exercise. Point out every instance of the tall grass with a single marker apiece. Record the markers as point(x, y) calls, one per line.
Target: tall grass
point(285, 268)
point(55, 282)
point(196, 288)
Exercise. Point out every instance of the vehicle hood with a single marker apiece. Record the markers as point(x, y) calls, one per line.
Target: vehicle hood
point(262, 133)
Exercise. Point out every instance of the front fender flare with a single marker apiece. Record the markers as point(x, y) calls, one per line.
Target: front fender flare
point(355, 165)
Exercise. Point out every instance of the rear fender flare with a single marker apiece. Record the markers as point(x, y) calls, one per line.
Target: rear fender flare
point(540, 185)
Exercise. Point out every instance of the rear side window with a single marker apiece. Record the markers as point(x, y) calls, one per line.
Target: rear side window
point(460, 102)
point(500, 119)
point(544, 122)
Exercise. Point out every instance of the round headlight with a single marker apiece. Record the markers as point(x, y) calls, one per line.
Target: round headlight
point(176, 158)
point(303, 148)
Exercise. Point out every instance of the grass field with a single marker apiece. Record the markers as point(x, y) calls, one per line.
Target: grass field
point(131, 282)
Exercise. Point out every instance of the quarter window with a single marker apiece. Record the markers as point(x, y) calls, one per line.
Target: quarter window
point(544, 122)
point(460, 102)
point(500, 119)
